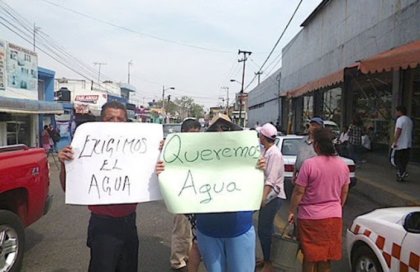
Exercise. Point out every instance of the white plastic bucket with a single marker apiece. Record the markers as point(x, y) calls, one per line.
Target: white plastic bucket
point(284, 251)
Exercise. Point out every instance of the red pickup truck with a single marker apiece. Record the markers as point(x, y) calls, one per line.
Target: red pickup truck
point(24, 198)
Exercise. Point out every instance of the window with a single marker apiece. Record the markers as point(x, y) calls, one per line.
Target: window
point(18, 130)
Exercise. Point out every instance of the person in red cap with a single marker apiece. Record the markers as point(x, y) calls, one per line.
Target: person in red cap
point(273, 193)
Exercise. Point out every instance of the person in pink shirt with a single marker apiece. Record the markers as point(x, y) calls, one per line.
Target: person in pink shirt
point(320, 192)
point(273, 193)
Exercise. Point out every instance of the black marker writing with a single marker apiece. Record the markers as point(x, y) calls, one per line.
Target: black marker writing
point(109, 184)
point(207, 190)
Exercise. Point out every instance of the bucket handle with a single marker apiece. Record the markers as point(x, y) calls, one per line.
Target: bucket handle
point(285, 229)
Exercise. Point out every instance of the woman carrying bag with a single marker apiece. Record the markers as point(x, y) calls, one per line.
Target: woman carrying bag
point(319, 194)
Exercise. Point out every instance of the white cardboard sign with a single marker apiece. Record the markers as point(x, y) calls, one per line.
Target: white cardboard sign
point(113, 163)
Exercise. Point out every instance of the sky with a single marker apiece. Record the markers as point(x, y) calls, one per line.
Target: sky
point(191, 45)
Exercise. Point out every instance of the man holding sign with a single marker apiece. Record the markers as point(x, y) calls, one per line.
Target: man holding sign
point(112, 232)
point(219, 182)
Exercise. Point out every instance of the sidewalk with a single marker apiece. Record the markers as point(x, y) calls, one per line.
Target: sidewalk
point(376, 179)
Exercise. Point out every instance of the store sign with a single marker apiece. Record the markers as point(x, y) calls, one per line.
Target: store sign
point(2, 65)
point(91, 99)
point(21, 72)
point(90, 102)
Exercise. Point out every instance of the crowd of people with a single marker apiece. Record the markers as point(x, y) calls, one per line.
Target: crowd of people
point(226, 241)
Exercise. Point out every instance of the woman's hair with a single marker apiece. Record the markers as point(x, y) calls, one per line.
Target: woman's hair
point(323, 138)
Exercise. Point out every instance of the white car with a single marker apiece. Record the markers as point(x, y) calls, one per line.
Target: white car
point(288, 145)
point(385, 240)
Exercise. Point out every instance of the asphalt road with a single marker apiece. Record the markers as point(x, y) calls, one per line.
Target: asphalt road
point(57, 242)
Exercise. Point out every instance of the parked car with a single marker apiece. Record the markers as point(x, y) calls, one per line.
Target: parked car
point(171, 128)
point(385, 240)
point(288, 145)
point(24, 198)
point(329, 124)
point(333, 126)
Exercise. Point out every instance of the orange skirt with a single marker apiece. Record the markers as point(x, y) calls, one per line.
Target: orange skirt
point(321, 239)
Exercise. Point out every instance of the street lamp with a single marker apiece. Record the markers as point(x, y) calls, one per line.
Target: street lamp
point(163, 101)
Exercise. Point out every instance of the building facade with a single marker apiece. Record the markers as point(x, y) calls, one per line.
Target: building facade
point(26, 96)
point(265, 102)
point(355, 58)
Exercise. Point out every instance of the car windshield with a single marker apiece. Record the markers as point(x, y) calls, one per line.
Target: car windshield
point(170, 128)
point(290, 147)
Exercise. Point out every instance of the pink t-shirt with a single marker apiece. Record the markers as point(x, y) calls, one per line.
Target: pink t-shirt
point(323, 178)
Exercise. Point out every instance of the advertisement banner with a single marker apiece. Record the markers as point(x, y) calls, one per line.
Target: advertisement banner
point(91, 101)
point(21, 72)
point(2, 65)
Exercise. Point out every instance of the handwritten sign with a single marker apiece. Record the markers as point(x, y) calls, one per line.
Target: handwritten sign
point(211, 172)
point(114, 163)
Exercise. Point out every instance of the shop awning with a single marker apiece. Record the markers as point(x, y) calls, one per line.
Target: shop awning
point(28, 106)
point(322, 82)
point(406, 56)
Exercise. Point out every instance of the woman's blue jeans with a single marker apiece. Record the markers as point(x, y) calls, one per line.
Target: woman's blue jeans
point(266, 225)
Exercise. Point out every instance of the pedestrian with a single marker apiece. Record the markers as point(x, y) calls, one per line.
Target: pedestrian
point(185, 255)
point(354, 146)
point(112, 232)
point(226, 240)
point(402, 142)
point(273, 193)
point(342, 143)
point(305, 147)
point(319, 195)
point(47, 142)
point(55, 136)
point(257, 126)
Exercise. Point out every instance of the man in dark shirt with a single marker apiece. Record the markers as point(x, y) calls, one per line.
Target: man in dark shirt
point(112, 232)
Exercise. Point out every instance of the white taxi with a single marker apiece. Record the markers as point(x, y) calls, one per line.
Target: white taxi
point(385, 240)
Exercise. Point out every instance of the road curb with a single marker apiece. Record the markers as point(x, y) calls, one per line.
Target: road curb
point(384, 195)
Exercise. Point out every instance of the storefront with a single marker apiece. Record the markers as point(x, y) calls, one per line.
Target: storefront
point(19, 120)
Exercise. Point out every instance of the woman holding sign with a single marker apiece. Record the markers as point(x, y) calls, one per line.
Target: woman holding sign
point(227, 240)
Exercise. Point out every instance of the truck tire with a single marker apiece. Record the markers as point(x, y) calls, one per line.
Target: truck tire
point(12, 242)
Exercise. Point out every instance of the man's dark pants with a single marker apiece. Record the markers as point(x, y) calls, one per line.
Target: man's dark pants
point(113, 244)
point(401, 158)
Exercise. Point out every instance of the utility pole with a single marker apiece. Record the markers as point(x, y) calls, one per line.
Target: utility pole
point(163, 102)
point(227, 98)
point(36, 29)
point(258, 74)
point(99, 73)
point(244, 59)
point(129, 64)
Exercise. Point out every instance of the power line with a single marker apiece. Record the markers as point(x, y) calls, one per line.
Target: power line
point(277, 42)
point(135, 31)
point(55, 51)
point(50, 43)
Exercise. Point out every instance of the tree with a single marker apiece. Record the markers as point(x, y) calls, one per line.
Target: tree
point(187, 108)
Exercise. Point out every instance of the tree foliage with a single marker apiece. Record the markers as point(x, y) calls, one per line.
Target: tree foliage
point(183, 107)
